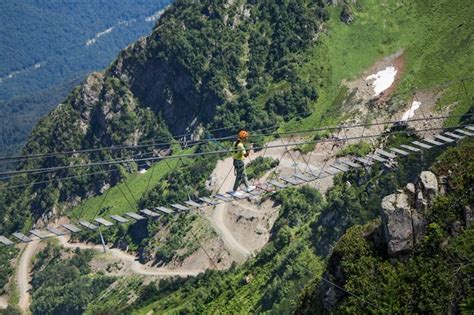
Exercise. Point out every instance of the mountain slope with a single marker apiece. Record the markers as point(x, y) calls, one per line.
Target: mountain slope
point(180, 77)
point(255, 66)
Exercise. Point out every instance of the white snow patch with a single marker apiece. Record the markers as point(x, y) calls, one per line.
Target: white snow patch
point(92, 41)
point(126, 23)
point(10, 75)
point(13, 74)
point(154, 17)
point(382, 80)
point(411, 112)
point(142, 171)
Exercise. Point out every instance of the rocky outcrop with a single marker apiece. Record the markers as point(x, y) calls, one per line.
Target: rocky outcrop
point(397, 223)
point(328, 294)
point(407, 217)
point(403, 222)
point(429, 185)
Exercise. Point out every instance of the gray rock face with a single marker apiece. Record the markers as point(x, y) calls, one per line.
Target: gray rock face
point(419, 225)
point(456, 228)
point(410, 190)
point(329, 297)
point(397, 223)
point(429, 185)
point(329, 294)
point(403, 224)
point(420, 202)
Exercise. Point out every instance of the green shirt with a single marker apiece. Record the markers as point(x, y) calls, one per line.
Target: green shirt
point(239, 153)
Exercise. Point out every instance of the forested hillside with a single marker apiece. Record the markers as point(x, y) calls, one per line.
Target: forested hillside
point(190, 72)
point(390, 237)
point(48, 47)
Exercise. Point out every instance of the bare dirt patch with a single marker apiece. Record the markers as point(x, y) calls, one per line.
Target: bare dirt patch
point(247, 218)
point(365, 108)
point(363, 89)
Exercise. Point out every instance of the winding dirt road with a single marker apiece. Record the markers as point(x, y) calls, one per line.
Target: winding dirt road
point(23, 275)
point(238, 250)
point(130, 261)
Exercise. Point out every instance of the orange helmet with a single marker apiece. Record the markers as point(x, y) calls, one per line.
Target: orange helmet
point(243, 134)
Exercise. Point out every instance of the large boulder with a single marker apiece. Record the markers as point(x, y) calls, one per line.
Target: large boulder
point(402, 221)
point(397, 223)
point(418, 222)
point(420, 202)
point(429, 185)
point(443, 185)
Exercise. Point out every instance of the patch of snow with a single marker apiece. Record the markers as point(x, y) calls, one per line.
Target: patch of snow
point(126, 23)
point(13, 74)
point(92, 41)
point(411, 112)
point(382, 80)
point(9, 76)
point(154, 17)
point(142, 171)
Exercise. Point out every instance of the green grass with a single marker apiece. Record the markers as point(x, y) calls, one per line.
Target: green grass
point(247, 297)
point(436, 37)
point(357, 149)
point(243, 299)
point(119, 199)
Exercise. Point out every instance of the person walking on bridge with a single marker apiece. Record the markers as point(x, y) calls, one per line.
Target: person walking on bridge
point(239, 153)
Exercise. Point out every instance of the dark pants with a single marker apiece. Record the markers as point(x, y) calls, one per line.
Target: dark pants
point(240, 175)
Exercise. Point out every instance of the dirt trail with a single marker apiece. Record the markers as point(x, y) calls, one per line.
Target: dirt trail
point(237, 250)
point(241, 238)
point(130, 261)
point(23, 274)
point(24, 268)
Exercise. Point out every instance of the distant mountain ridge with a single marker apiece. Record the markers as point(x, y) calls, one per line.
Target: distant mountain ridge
point(46, 47)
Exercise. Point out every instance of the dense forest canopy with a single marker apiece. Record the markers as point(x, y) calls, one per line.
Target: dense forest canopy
point(48, 47)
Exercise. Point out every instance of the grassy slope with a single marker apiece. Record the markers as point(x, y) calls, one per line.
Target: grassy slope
point(119, 200)
point(436, 38)
point(242, 299)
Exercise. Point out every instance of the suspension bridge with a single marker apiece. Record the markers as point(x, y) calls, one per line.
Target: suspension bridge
point(303, 174)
